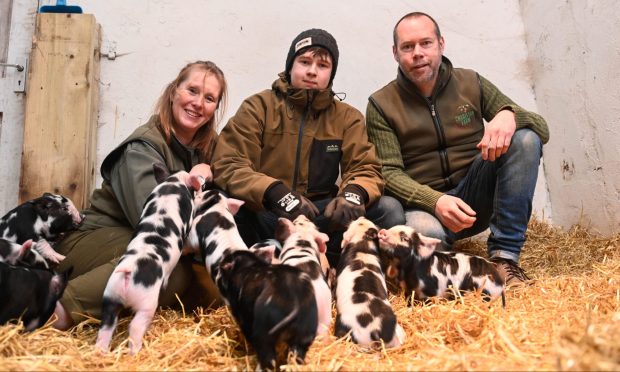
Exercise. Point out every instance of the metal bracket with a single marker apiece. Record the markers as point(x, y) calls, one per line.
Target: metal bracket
point(111, 50)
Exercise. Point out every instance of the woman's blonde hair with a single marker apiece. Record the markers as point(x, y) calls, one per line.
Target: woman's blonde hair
point(203, 141)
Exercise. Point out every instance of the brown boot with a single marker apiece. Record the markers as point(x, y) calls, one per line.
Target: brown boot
point(510, 271)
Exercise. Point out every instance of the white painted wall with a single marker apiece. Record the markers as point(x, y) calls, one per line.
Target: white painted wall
point(574, 50)
point(249, 40)
point(12, 104)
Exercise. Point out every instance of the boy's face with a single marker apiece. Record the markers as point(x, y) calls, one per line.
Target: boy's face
point(311, 71)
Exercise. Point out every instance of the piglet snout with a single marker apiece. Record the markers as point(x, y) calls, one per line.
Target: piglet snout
point(383, 235)
point(76, 217)
point(78, 221)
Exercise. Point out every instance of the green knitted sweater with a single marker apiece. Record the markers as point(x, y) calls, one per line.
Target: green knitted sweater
point(399, 184)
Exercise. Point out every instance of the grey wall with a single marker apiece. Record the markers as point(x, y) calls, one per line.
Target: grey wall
point(574, 59)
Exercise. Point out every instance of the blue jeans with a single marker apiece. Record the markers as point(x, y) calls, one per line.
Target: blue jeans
point(257, 226)
point(500, 192)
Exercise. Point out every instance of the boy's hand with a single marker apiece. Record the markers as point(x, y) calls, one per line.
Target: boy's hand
point(346, 207)
point(280, 200)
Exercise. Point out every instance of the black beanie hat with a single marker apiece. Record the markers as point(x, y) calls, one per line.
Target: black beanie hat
point(310, 38)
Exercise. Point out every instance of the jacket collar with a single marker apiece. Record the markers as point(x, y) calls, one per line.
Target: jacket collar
point(318, 99)
point(185, 153)
point(445, 72)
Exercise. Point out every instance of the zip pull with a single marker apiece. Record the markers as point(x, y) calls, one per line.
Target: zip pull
point(433, 110)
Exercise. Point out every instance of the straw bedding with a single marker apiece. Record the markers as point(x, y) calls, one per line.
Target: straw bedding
point(568, 319)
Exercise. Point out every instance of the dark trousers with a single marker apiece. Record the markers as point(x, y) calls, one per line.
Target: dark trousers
point(500, 192)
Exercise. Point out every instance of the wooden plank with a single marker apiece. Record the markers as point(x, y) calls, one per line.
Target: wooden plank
point(60, 126)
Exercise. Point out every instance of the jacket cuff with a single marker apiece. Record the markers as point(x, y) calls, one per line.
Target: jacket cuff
point(274, 192)
point(428, 200)
point(355, 194)
point(519, 119)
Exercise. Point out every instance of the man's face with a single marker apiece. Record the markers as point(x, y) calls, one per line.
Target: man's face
point(311, 71)
point(418, 52)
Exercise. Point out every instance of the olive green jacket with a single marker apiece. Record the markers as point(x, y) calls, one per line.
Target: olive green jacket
point(128, 176)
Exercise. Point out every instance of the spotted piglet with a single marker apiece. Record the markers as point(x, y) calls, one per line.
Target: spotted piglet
point(151, 255)
point(29, 294)
point(303, 247)
point(44, 220)
point(214, 233)
point(21, 254)
point(273, 304)
point(422, 270)
point(361, 294)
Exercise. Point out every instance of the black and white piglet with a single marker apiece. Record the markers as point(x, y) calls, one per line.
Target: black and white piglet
point(21, 254)
point(213, 232)
point(43, 220)
point(151, 255)
point(361, 294)
point(303, 247)
point(270, 303)
point(273, 304)
point(422, 270)
point(29, 294)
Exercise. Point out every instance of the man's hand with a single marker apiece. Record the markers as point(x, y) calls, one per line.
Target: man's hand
point(497, 135)
point(454, 213)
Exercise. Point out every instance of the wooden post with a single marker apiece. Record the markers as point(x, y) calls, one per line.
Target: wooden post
point(60, 126)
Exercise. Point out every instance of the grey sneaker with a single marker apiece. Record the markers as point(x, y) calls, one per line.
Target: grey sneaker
point(510, 271)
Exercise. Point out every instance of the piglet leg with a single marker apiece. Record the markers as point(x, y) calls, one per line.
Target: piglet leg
point(109, 319)
point(324, 304)
point(266, 354)
point(138, 327)
point(46, 250)
point(398, 339)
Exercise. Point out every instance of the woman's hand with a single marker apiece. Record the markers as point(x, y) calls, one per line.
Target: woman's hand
point(203, 173)
point(202, 170)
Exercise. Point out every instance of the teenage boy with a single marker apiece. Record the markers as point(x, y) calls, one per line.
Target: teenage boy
point(284, 149)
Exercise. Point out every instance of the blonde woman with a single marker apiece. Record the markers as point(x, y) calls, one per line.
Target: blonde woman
point(181, 135)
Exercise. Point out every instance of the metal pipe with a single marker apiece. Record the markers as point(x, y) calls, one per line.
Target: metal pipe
point(19, 68)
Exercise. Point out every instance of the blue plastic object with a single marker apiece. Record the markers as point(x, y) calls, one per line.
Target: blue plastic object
point(60, 7)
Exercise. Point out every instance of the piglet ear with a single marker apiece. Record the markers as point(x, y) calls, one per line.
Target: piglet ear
point(25, 248)
point(321, 239)
point(59, 282)
point(391, 272)
point(196, 182)
point(345, 240)
point(424, 245)
point(161, 172)
point(225, 267)
point(234, 205)
point(266, 253)
point(284, 229)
